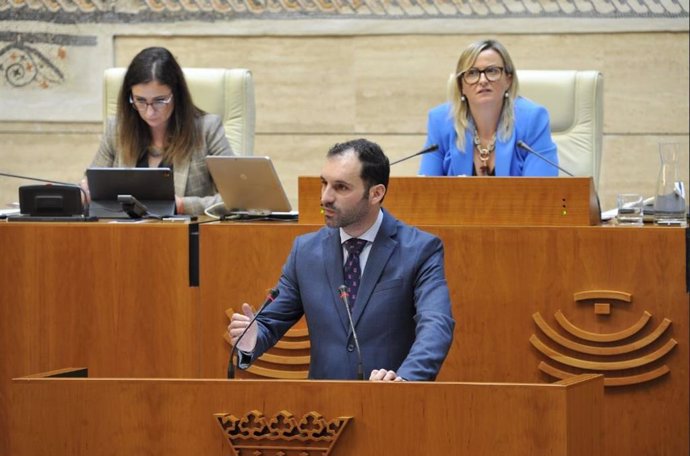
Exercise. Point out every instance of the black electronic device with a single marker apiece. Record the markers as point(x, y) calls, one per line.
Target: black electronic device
point(50, 200)
point(154, 188)
point(55, 201)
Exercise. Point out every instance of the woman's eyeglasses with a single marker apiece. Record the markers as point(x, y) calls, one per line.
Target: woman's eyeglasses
point(140, 104)
point(472, 76)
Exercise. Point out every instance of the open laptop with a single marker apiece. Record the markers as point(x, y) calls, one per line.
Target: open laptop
point(153, 187)
point(249, 186)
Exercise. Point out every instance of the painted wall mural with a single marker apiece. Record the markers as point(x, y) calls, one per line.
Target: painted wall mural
point(37, 58)
point(71, 11)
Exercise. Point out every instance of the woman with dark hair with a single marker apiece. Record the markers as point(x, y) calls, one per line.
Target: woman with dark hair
point(158, 125)
point(478, 130)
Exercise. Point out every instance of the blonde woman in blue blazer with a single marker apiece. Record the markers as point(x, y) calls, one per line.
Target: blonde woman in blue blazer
point(478, 130)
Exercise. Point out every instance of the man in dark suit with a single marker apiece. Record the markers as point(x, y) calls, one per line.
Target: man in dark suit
point(394, 277)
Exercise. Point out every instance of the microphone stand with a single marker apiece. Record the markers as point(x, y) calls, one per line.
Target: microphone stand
point(431, 148)
point(524, 146)
point(269, 299)
point(342, 289)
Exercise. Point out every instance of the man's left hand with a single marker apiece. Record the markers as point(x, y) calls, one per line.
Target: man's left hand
point(383, 375)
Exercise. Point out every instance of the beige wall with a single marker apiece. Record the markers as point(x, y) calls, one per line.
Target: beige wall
point(314, 91)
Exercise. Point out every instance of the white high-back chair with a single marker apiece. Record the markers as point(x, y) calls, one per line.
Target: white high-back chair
point(228, 93)
point(575, 103)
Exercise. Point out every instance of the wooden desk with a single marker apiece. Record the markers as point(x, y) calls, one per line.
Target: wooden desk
point(503, 281)
point(115, 297)
point(97, 295)
point(81, 417)
point(507, 201)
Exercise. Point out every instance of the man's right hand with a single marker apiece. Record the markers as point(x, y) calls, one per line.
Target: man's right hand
point(238, 323)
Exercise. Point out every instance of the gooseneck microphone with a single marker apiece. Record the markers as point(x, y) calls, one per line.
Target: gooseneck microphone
point(342, 289)
point(524, 146)
point(431, 148)
point(272, 295)
point(36, 179)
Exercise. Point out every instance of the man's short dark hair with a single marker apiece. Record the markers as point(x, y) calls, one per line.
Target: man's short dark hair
point(375, 164)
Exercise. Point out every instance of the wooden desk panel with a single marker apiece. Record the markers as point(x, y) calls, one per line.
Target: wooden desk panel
point(114, 297)
point(499, 277)
point(176, 417)
point(507, 201)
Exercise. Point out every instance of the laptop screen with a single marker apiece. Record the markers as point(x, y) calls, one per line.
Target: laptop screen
point(248, 184)
point(154, 187)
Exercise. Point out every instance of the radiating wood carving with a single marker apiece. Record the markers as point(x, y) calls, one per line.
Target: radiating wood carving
point(609, 381)
point(288, 360)
point(598, 350)
point(281, 435)
point(602, 337)
point(625, 363)
point(602, 365)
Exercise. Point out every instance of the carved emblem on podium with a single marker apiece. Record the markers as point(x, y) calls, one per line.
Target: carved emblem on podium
point(281, 435)
point(626, 357)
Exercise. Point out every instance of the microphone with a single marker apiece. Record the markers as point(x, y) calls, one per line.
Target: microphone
point(431, 148)
point(524, 146)
point(342, 289)
point(56, 185)
point(272, 295)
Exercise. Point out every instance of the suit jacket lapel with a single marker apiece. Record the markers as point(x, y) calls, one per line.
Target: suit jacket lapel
point(504, 155)
point(180, 173)
point(502, 159)
point(381, 250)
point(332, 255)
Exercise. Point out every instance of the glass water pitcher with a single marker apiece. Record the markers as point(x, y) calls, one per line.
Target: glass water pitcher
point(670, 199)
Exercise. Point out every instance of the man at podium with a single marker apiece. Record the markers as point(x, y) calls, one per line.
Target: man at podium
point(373, 289)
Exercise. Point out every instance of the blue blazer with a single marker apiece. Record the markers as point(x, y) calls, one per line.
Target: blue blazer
point(402, 313)
point(531, 126)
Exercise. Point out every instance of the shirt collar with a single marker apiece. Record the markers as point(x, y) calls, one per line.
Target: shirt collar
point(369, 235)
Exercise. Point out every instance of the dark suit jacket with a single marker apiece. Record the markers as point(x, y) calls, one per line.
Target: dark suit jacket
point(402, 313)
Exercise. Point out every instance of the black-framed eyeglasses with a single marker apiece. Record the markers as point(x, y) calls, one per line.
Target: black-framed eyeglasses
point(157, 104)
point(472, 76)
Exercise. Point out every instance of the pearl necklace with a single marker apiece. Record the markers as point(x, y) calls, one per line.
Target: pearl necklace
point(484, 152)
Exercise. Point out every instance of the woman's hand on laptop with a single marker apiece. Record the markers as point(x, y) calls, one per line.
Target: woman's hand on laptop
point(179, 205)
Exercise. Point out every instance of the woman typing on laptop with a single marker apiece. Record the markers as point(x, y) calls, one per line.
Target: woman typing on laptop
point(158, 125)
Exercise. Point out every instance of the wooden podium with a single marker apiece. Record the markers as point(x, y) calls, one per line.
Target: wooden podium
point(83, 416)
point(117, 298)
point(540, 201)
